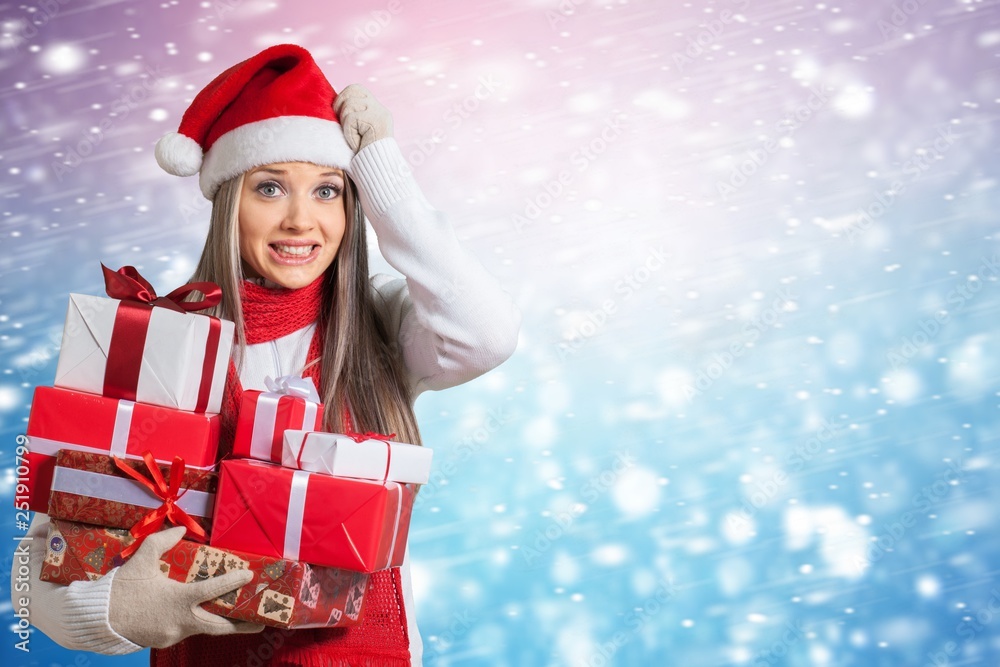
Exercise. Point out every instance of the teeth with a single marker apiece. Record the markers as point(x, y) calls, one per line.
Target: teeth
point(301, 250)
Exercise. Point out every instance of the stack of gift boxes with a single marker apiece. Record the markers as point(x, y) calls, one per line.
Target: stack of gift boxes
point(126, 444)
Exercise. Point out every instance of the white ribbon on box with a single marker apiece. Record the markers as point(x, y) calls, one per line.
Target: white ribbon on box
point(342, 456)
point(172, 360)
point(117, 446)
point(297, 510)
point(266, 411)
point(126, 490)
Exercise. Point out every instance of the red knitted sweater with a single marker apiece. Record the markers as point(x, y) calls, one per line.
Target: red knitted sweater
point(381, 639)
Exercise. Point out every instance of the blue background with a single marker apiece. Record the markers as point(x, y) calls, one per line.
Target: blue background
point(752, 418)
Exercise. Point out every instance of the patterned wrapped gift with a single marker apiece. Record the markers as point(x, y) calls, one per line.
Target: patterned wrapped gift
point(352, 524)
point(145, 348)
point(137, 495)
point(359, 455)
point(290, 402)
point(63, 419)
point(282, 594)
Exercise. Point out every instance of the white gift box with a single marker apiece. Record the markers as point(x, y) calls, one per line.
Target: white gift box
point(343, 456)
point(175, 368)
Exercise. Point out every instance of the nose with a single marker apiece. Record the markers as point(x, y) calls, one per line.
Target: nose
point(298, 216)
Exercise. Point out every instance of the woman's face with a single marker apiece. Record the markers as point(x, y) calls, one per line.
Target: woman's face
point(292, 220)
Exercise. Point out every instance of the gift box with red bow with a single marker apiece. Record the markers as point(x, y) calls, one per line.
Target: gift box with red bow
point(353, 524)
point(64, 419)
point(358, 455)
point(289, 403)
point(141, 347)
point(141, 496)
point(282, 594)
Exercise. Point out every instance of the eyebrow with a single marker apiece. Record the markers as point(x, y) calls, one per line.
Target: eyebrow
point(282, 171)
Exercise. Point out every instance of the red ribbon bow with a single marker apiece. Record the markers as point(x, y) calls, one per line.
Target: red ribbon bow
point(126, 284)
point(361, 437)
point(169, 494)
point(128, 337)
point(369, 435)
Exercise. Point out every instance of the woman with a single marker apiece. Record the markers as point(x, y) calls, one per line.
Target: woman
point(291, 169)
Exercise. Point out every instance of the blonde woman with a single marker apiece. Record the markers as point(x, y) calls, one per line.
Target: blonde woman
point(292, 169)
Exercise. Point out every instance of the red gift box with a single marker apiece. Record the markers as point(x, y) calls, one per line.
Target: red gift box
point(290, 403)
point(65, 419)
point(282, 594)
point(92, 488)
point(352, 524)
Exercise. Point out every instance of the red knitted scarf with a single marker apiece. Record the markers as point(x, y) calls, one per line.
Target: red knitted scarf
point(381, 639)
point(272, 313)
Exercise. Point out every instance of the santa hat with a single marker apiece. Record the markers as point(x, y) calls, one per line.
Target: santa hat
point(274, 107)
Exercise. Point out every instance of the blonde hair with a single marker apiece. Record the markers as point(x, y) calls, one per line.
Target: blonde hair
point(361, 366)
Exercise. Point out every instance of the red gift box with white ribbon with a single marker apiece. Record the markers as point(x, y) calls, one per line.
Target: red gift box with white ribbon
point(64, 419)
point(139, 495)
point(141, 347)
point(290, 402)
point(352, 524)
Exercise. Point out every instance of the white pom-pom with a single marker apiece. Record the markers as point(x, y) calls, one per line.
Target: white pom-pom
point(178, 154)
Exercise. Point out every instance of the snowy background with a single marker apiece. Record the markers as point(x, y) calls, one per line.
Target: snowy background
point(753, 416)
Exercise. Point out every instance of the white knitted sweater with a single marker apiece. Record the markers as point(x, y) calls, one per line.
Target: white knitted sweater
point(453, 323)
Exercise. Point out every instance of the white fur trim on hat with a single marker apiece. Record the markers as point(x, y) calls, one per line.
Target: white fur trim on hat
point(279, 139)
point(178, 154)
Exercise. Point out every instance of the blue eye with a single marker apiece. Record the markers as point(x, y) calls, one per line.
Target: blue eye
point(328, 192)
point(268, 185)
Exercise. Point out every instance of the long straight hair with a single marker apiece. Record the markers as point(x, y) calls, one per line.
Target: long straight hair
point(360, 365)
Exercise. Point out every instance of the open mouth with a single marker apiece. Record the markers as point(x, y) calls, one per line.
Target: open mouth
point(293, 254)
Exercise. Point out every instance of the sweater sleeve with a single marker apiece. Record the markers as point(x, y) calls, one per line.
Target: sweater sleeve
point(73, 616)
point(454, 321)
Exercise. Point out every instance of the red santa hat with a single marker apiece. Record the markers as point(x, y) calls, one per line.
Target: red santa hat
point(274, 107)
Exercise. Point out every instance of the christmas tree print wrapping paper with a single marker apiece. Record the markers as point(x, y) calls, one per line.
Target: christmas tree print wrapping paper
point(283, 593)
point(92, 488)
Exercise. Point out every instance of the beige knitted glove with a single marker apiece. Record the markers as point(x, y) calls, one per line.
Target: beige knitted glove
point(362, 117)
point(149, 609)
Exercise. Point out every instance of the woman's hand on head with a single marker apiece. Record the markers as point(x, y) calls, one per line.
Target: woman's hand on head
point(363, 118)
